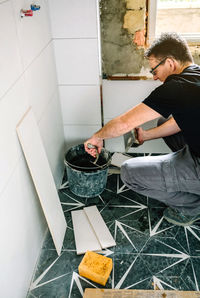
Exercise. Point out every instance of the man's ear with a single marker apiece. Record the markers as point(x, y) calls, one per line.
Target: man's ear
point(172, 63)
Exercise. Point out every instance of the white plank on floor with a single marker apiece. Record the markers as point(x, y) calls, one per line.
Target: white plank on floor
point(85, 237)
point(98, 224)
point(38, 164)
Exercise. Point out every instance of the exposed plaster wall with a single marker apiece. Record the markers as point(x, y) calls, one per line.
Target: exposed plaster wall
point(123, 33)
point(122, 36)
point(134, 19)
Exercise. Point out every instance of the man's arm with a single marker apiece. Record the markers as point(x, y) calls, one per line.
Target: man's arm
point(168, 128)
point(121, 125)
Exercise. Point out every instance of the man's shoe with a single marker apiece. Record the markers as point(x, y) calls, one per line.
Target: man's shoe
point(177, 218)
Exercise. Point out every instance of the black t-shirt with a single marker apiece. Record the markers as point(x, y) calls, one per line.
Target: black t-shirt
point(179, 95)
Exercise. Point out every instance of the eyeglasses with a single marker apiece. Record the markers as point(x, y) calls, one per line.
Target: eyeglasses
point(152, 71)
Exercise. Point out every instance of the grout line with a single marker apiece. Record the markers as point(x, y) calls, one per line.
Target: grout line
point(38, 258)
point(24, 70)
point(20, 121)
point(40, 52)
point(75, 38)
point(71, 124)
point(86, 85)
point(10, 176)
point(51, 100)
point(32, 295)
point(49, 281)
point(36, 282)
point(2, 2)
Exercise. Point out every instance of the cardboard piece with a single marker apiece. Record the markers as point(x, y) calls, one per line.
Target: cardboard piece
point(32, 146)
point(109, 293)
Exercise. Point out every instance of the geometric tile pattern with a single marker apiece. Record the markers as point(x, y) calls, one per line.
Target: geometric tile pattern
point(150, 253)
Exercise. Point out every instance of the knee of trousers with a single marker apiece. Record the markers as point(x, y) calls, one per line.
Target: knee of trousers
point(124, 173)
point(129, 177)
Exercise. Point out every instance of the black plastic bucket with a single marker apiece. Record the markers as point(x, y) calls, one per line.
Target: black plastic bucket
point(85, 178)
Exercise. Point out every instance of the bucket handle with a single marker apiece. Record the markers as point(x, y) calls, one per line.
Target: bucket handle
point(97, 167)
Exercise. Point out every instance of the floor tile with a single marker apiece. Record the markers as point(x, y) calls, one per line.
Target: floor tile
point(149, 250)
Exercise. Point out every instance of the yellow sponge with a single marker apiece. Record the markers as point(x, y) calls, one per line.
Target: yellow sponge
point(95, 267)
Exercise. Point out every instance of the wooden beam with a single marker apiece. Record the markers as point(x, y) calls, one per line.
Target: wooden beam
point(109, 293)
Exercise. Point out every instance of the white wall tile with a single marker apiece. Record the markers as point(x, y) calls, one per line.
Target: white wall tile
point(22, 227)
point(115, 144)
point(153, 146)
point(12, 108)
point(81, 105)
point(34, 32)
point(77, 61)
point(52, 133)
point(10, 62)
point(41, 81)
point(73, 19)
point(27, 75)
point(76, 134)
point(119, 96)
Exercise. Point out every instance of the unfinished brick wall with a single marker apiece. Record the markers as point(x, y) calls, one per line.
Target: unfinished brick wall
point(134, 20)
point(123, 38)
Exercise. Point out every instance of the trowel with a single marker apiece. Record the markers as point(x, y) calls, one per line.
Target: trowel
point(130, 140)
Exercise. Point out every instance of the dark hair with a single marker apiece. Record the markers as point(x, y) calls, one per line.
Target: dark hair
point(170, 44)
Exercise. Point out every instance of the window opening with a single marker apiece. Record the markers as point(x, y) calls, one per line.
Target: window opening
point(181, 16)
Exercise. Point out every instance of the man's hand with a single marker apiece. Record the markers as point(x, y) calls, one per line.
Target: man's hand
point(95, 141)
point(121, 125)
point(140, 135)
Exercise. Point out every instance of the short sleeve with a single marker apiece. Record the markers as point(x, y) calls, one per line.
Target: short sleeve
point(165, 99)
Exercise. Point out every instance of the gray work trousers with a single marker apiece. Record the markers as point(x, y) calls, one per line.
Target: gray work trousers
point(173, 179)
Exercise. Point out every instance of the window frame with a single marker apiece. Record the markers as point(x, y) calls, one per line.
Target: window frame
point(191, 38)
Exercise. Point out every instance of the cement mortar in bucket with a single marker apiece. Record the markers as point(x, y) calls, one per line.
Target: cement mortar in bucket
point(84, 177)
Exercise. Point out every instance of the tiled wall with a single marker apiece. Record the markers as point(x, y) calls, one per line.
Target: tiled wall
point(75, 35)
point(118, 97)
point(27, 77)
